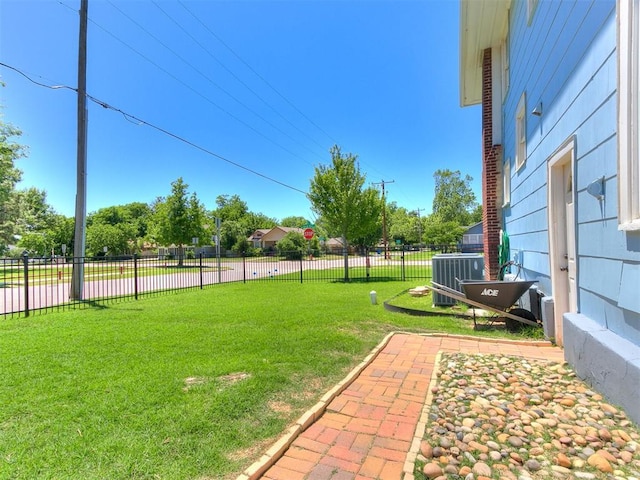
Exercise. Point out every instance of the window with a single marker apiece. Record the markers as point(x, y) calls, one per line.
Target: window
point(472, 238)
point(628, 115)
point(506, 183)
point(521, 133)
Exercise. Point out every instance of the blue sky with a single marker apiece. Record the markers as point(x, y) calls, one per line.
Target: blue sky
point(268, 85)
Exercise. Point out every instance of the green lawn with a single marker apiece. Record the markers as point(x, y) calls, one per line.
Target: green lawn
point(193, 385)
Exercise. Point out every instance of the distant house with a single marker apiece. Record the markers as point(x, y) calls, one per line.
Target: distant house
point(333, 245)
point(472, 239)
point(256, 237)
point(268, 239)
point(558, 85)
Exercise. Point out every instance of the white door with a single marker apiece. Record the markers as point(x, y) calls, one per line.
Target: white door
point(562, 238)
point(570, 241)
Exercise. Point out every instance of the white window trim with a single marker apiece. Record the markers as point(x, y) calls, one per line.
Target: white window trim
point(521, 133)
point(504, 51)
point(506, 183)
point(628, 114)
point(531, 10)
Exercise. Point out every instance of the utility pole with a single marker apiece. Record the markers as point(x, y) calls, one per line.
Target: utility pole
point(77, 278)
point(418, 210)
point(384, 219)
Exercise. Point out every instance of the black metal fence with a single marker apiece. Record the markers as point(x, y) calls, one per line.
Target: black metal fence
point(30, 285)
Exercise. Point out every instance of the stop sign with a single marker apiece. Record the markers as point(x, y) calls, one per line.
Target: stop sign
point(308, 233)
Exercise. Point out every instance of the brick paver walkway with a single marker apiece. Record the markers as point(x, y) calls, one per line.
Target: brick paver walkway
point(370, 425)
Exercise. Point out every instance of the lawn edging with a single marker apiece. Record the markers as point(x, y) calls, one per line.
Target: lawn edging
point(258, 468)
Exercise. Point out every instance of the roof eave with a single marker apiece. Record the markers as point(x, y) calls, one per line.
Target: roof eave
point(483, 24)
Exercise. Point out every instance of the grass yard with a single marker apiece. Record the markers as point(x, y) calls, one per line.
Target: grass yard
point(194, 385)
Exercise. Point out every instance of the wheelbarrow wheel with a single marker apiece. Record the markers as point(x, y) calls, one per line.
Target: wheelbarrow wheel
point(514, 325)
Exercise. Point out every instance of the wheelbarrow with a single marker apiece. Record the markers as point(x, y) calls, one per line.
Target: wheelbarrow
point(497, 297)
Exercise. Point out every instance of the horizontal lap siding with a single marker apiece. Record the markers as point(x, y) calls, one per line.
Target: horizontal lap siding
point(541, 58)
point(567, 61)
point(608, 313)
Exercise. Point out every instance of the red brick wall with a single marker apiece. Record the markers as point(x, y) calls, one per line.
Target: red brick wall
point(491, 160)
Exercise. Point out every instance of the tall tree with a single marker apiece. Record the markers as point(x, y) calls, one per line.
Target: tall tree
point(107, 239)
point(293, 222)
point(132, 219)
point(10, 175)
point(454, 200)
point(476, 215)
point(437, 232)
point(230, 207)
point(232, 232)
point(404, 225)
point(348, 210)
point(253, 221)
point(180, 218)
point(62, 233)
point(292, 246)
point(35, 222)
point(36, 214)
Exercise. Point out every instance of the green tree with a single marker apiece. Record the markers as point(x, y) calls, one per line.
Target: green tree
point(231, 232)
point(230, 207)
point(252, 221)
point(133, 220)
point(476, 215)
point(348, 210)
point(442, 233)
point(454, 200)
point(10, 175)
point(62, 233)
point(103, 235)
point(179, 218)
point(36, 215)
point(293, 222)
point(49, 241)
point(242, 246)
point(107, 216)
point(34, 222)
point(36, 244)
point(292, 246)
point(237, 222)
point(404, 225)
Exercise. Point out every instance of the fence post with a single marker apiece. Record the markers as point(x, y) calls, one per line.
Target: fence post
point(301, 267)
point(201, 281)
point(135, 276)
point(403, 272)
point(367, 263)
point(25, 259)
point(244, 268)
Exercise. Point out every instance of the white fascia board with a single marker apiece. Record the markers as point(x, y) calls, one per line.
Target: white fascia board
point(483, 24)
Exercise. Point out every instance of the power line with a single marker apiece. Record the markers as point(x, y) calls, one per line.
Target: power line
point(219, 39)
point(257, 74)
point(140, 121)
point(40, 84)
point(228, 70)
point(209, 100)
point(208, 78)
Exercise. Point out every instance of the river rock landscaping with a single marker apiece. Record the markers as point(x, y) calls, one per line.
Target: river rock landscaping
point(509, 418)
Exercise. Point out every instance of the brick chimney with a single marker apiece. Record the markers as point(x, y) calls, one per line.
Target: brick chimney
point(491, 160)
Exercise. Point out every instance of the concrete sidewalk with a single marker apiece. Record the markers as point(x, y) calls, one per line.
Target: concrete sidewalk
point(370, 425)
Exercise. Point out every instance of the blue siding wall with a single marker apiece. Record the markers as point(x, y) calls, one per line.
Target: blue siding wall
point(566, 59)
